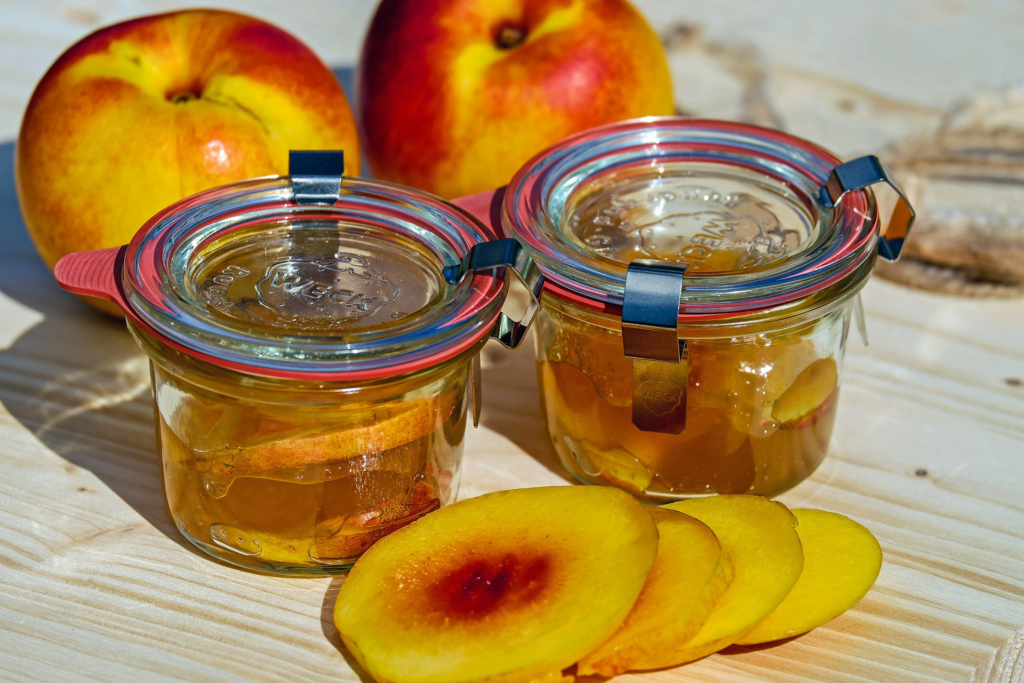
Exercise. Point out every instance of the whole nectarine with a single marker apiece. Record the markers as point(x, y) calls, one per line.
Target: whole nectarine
point(141, 114)
point(456, 95)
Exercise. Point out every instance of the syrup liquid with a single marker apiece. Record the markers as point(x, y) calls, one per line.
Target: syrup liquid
point(759, 407)
point(287, 488)
point(759, 417)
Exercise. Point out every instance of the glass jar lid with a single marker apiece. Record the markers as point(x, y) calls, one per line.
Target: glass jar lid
point(742, 207)
point(250, 277)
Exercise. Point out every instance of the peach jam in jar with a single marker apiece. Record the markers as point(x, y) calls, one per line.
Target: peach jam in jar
point(700, 278)
point(313, 343)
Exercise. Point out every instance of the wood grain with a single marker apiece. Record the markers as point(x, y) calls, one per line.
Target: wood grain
point(96, 584)
point(1006, 665)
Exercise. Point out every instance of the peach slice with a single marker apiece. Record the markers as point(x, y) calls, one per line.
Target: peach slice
point(689, 576)
point(811, 389)
point(343, 537)
point(841, 562)
point(759, 537)
point(597, 353)
point(511, 586)
point(379, 429)
point(200, 423)
point(602, 360)
point(619, 467)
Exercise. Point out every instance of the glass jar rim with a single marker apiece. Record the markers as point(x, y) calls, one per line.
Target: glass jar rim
point(158, 280)
point(536, 198)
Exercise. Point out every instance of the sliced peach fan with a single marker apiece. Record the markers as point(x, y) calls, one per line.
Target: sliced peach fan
point(511, 586)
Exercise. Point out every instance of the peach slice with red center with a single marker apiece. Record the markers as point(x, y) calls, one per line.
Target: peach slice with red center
point(511, 586)
point(760, 538)
point(689, 576)
point(841, 562)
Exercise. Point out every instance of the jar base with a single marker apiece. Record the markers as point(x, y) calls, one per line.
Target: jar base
point(270, 568)
point(656, 498)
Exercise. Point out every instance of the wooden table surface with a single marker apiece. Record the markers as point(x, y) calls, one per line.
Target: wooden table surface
point(96, 584)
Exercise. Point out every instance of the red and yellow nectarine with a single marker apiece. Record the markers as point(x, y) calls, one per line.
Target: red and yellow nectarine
point(141, 114)
point(456, 95)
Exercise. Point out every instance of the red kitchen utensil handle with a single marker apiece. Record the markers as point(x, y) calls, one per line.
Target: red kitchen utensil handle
point(92, 273)
point(485, 207)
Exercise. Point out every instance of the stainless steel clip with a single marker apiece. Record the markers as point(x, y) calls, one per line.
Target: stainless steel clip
point(508, 253)
point(650, 336)
point(316, 176)
point(860, 173)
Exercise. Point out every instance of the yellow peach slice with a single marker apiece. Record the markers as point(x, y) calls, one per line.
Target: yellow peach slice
point(689, 576)
point(597, 353)
point(200, 423)
point(618, 467)
point(759, 537)
point(602, 360)
point(841, 562)
point(811, 389)
point(511, 586)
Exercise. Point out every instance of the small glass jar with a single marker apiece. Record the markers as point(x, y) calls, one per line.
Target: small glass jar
point(311, 352)
point(700, 278)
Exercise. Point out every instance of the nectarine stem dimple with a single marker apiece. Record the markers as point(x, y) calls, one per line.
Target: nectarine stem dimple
point(509, 37)
point(182, 97)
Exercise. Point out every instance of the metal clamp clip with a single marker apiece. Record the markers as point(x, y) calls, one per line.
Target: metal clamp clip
point(650, 336)
point(860, 173)
point(316, 176)
point(509, 253)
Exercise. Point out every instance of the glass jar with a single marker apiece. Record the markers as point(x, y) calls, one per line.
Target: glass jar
point(297, 476)
point(313, 341)
point(699, 282)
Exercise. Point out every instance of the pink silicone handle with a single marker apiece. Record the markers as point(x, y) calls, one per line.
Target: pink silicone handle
point(485, 207)
point(92, 273)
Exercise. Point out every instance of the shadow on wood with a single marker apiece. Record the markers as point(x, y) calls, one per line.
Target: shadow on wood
point(77, 380)
point(511, 403)
point(331, 631)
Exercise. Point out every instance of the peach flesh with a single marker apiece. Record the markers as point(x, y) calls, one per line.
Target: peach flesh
point(511, 586)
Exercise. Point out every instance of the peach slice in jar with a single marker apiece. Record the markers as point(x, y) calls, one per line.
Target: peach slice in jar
point(573, 402)
point(339, 537)
point(368, 432)
point(841, 562)
point(612, 373)
point(618, 467)
point(760, 538)
point(809, 392)
point(690, 574)
point(593, 350)
point(790, 454)
point(511, 586)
